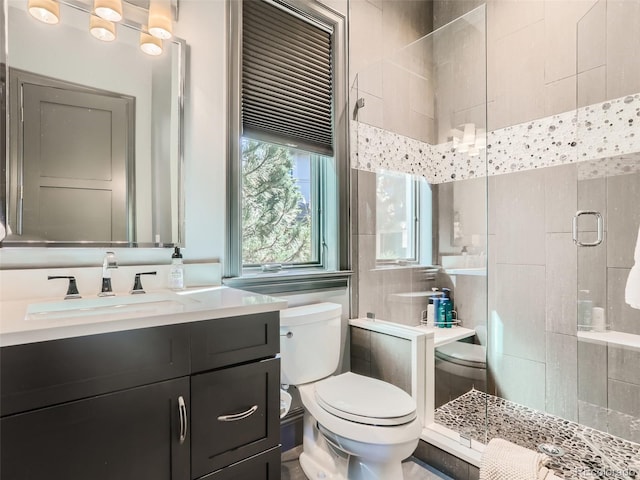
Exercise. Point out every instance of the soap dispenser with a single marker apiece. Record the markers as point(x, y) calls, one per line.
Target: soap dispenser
point(176, 273)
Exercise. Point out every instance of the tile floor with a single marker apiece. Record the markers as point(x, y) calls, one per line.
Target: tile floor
point(589, 454)
point(413, 469)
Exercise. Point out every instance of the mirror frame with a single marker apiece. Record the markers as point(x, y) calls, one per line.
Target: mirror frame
point(132, 11)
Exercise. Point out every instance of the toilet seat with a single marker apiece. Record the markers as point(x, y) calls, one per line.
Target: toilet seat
point(462, 353)
point(365, 400)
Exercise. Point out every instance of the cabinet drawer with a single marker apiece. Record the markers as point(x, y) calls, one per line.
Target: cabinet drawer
point(265, 466)
point(48, 373)
point(237, 412)
point(228, 341)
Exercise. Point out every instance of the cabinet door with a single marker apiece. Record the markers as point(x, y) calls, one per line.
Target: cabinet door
point(128, 435)
point(235, 413)
point(265, 466)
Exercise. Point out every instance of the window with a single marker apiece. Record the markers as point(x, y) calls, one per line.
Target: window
point(288, 163)
point(280, 214)
point(403, 223)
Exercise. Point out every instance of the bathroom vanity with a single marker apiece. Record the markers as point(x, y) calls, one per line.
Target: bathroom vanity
point(180, 395)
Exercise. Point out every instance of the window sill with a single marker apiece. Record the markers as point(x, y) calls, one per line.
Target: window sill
point(397, 266)
point(290, 281)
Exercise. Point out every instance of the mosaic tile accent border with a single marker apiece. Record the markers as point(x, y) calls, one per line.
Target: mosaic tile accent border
point(589, 453)
point(607, 130)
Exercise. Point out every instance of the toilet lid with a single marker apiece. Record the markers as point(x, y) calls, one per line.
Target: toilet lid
point(365, 400)
point(462, 353)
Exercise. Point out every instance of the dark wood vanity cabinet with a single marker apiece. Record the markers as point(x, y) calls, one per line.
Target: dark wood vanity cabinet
point(176, 402)
point(128, 435)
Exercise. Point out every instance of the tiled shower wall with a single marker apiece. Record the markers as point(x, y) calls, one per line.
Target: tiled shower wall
point(377, 29)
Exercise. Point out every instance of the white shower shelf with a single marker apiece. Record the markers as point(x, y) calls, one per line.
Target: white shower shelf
point(611, 337)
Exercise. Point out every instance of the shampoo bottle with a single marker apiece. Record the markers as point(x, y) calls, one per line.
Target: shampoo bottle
point(176, 273)
point(448, 308)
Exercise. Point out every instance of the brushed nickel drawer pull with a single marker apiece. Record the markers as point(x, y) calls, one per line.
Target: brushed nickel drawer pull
point(238, 416)
point(182, 412)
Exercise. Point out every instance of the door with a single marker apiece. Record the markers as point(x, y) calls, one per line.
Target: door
point(140, 433)
point(608, 309)
point(74, 162)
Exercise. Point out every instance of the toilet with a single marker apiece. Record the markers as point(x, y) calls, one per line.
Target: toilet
point(460, 366)
point(355, 427)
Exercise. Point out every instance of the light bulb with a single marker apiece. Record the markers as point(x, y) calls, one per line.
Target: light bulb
point(108, 9)
point(160, 19)
point(150, 44)
point(102, 29)
point(46, 11)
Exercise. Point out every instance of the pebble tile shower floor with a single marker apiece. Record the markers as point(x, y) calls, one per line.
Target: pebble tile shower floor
point(589, 454)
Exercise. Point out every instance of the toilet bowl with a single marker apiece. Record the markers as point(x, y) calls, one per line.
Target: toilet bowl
point(355, 427)
point(460, 366)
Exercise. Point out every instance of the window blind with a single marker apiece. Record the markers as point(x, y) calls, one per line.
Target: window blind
point(287, 77)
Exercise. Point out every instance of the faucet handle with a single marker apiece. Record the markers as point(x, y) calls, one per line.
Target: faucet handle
point(137, 283)
point(72, 289)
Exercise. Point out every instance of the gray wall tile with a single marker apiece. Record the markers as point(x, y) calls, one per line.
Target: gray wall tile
point(366, 203)
point(391, 360)
point(592, 374)
point(520, 307)
point(624, 425)
point(561, 192)
point(520, 380)
point(562, 376)
point(560, 285)
point(592, 273)
point(623, 50)
point(593, 415)
point(592, 38)
point(623, 397)
point(442, 461)
point(520, 218)
point(360, 344)
point(624, 365)
point(592, 86)
point(623, 219)
point(620, 315)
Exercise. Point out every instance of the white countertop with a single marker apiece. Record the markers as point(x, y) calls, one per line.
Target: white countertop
point(441, 336)
point(200, 304)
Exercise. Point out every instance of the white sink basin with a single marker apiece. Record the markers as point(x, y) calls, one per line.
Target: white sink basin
point(148, 303)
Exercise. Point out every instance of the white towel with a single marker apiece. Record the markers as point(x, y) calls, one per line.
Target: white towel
point(503, 460)
point(632, 291)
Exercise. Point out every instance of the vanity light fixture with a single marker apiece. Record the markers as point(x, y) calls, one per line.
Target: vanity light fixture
point(47, 11)
point(150, 45)
point(108, 9)
point(102, 29)
point(160, 19)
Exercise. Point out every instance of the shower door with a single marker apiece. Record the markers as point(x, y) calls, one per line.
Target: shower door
point(607, 222)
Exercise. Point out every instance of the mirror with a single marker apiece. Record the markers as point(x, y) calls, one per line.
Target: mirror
point(94, 135)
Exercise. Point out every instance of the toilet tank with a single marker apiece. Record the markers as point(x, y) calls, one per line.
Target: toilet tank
point(309, 342)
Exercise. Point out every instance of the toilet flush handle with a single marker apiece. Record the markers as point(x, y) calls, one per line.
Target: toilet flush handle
point(288, 334)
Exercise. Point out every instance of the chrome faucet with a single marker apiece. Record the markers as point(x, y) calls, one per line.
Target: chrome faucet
point(108, 263)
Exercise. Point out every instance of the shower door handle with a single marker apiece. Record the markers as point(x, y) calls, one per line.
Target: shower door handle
point(600, 221)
